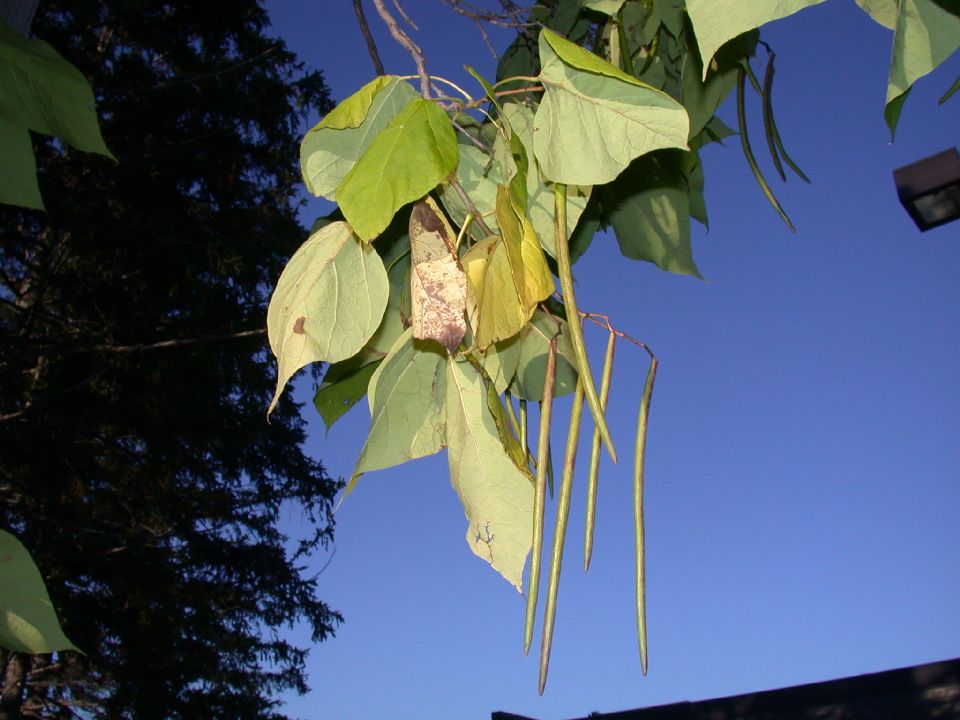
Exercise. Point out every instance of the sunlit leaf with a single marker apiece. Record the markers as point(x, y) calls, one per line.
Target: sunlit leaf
point(507, 276)
point(406, 160)
point(406, 398)
point(328, 302)
point(926, 35)
point(595, 119)
point(540, 193)
point(438, 286)
point(28, 622)
point(717, 21)
point(883, 11)
point(333, 146)
point(497, 495)
point(607, 7)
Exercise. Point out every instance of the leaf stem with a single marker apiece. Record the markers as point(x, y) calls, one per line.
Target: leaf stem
point(540, 495)
point(560, 532)
point(638, 512)
point(576, 329)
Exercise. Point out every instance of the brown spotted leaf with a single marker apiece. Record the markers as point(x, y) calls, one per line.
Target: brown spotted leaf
point(438, 285)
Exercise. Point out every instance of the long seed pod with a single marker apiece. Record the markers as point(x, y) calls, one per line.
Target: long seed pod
point(594, 473)
point(512, 415)
point(783, 151)
point(523, 428)
point(748, 151)
point(768, 124)
point(540, 496)
point(638, 512)
point(950, 92)
point(560, 532)
point(576, 330)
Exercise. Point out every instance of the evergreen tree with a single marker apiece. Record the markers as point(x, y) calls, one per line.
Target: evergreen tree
point(137, 464)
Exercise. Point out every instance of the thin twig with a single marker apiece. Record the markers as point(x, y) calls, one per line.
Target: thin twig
point(465, 199)
point(371, 45)
point(409, 45)
point(403, 14)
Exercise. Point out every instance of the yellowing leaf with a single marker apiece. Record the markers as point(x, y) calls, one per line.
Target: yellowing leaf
point(595, 119)
point(332, 147)
point(406, 396)
point(507, 276)
point(438, 286)
point(328, 302)
point(497, 495)
point(717, 21)
point(540, 193)
point(413, 154)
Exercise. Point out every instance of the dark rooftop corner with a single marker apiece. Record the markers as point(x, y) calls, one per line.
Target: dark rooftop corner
point(922, 692)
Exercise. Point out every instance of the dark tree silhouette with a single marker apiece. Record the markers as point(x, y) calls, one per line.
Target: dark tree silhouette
point(137, 463)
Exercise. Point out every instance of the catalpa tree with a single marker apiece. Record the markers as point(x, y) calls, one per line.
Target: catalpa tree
point(441, 288)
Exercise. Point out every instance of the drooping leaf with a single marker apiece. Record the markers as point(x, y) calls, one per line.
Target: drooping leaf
point(507, 276)
point(607, 7)
point(702, 97)
point(328, 302)
point(500, 362)
point(497, 496)
point(39, 91)
point(438, 286)
point(42, 92)
point(883, 11)
point(540, 193)
point(595, 119)
point(18, 180)
point(649, 209)
point(406, 396)
point(333, 146)
point(534, 346)
point(413, 154)
point(926, 35)
point(28, 622)
point(717, 21)
point(344, 385)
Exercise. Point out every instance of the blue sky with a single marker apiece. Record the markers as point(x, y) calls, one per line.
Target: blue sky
point(803, 470)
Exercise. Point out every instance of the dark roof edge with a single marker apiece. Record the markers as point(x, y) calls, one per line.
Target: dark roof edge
point(826, 692)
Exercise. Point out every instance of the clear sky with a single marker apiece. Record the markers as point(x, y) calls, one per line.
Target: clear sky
point(803, 466)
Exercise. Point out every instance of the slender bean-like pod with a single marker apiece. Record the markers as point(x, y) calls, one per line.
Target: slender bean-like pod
point(638, 512)
point(748, 151)
point(514, 422)
point(768, 124)
point(540, 496)
point(576, 329)
point(950, 92)
point(783, 152)
point(594, 473)
point(523, 428)
point(560, 532)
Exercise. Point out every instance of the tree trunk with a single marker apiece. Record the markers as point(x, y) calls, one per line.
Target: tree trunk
point(14, 684)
